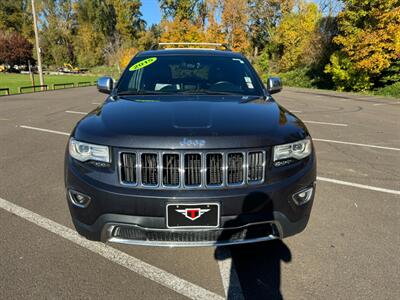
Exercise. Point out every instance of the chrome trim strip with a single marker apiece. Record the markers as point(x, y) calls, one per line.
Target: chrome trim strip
point(108, 230)
point(191, 244)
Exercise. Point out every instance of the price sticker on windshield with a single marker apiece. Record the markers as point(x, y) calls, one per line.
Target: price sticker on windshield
point(143, 63)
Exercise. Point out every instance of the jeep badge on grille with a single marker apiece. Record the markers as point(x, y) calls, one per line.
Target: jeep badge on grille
point(192, 143)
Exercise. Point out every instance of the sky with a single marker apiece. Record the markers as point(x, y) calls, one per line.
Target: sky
point(151, 12)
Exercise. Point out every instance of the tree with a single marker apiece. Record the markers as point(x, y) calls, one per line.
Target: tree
point(128, 21)
point(213, 32)
point(57, 24)
point(15, 15)
point(369, 43)
point(263, 18)
point(297, 37)
point(14, 49)
point(234, 24)
point(183, 20)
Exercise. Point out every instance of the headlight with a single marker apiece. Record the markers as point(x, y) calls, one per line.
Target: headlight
point(85, 152)
point(296, 150)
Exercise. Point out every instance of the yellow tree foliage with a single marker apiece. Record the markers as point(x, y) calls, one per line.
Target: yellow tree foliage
point(297, 37)
point(234, 23)
point(370, 34)
point(181, 31)
point(213, 32)
point(194, 29)
point(90, 41)
point(126, 56)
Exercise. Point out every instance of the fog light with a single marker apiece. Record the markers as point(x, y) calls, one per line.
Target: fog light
point(78, 199)
point(303, 196)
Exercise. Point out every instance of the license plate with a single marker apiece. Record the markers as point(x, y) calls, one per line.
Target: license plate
point(193, 215)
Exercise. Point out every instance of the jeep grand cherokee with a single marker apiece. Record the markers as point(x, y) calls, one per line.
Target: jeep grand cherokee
point(189, 149)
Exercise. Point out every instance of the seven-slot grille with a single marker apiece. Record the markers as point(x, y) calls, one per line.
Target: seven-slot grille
point(192, 170)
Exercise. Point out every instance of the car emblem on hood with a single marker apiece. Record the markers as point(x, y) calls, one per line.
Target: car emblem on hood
point(192, 143)
point(192, 213)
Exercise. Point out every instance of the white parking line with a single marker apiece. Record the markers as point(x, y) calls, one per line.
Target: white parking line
point(296, 111)
point(76, 112)
point(379, 104)
point(44, 130)
point(361, 186)
point(96, 103)
point(146, 270)
point(356, 144)
point(326, 123)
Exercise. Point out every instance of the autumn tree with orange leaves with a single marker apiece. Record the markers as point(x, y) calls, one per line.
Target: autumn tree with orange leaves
point(369, 45)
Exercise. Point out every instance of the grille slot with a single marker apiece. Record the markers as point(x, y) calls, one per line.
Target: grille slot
point(235, 168)
point(255, 166)
point(149, 169)
point(171, 169)
point(215, 172)
point(192, 169)
point(128, 168)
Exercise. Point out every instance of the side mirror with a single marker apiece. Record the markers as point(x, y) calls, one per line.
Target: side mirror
point(274, 85)
point(105, 84)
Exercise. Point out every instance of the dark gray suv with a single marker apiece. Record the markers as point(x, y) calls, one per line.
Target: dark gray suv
point(189, 149)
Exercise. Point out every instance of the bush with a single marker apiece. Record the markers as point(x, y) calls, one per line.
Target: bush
point(389, 90)
point(297, 78)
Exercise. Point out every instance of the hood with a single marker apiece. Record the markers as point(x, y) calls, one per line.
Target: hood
point(172, 122)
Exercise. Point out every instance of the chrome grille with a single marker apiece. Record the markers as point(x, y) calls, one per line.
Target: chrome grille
point(214, 169)
point(187, 170)
point(256, 165)
point(192, 169)
point(235, 168)
point(171, 167)
point(149, 169)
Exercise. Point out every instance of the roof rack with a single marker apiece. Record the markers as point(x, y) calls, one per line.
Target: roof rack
point(213, 46)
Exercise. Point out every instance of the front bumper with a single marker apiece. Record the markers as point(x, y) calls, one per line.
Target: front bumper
point(251, 214)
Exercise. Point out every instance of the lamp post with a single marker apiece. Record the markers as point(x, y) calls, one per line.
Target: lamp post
point(39, 59)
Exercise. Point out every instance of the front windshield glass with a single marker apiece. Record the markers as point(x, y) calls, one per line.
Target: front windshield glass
point(189, 74)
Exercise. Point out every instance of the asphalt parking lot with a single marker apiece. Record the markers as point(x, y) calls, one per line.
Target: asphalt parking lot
point(350, 249)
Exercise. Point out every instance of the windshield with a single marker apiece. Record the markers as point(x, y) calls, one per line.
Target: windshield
point(189, 74)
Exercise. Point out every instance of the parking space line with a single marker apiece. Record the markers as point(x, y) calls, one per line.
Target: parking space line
point(96, 103)
point(356, 144)
point(76, 112)
point(296, 111)
point(326, 123)
point(361, 186)
point(44, 130)
point(142, 268)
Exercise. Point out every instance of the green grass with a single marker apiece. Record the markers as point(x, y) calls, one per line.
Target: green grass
point(389, 90)
point(13, 81)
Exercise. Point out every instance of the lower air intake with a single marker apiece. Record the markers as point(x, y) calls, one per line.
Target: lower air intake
point(137, 233)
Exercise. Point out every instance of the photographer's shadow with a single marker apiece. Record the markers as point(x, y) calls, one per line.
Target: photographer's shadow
point(257, 265)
